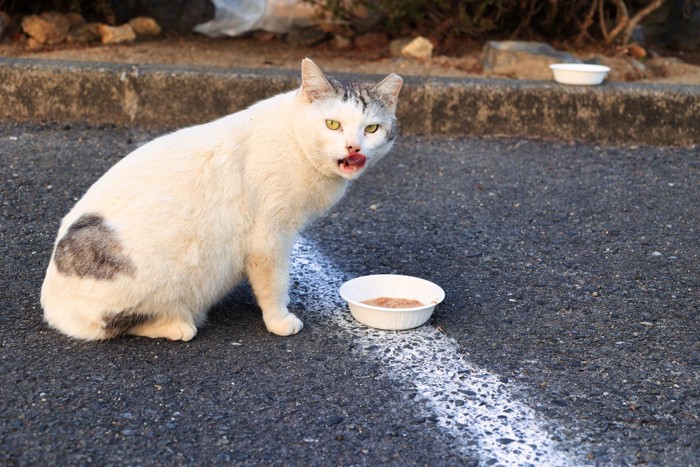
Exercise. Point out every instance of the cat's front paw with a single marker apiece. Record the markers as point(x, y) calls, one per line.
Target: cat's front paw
point(285, 326)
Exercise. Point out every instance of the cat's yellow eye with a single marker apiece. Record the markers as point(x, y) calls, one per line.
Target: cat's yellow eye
point(332, 124)
point(371, 128)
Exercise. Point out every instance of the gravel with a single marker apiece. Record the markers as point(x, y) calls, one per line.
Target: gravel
point(547, 253)
point(571, 269)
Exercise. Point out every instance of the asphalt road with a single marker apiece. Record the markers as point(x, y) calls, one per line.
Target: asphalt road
point(572, 274)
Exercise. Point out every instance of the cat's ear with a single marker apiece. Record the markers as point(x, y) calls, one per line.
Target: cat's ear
point(388, 90)
point(313, 82)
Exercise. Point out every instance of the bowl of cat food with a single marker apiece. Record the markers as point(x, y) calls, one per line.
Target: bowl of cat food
point(582, 74)
point(391, 301)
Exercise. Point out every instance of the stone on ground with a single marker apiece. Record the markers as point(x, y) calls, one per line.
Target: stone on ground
point(306, 37)
point(522, 59)
point(75, 19)
point(145, 26)
point(47, 28)
point(419, 48)
point(117, 34)
point(397, 45)
point(85, 33)
point(341, 42)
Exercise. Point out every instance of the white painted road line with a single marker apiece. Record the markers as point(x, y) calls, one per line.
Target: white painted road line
point(473, 405)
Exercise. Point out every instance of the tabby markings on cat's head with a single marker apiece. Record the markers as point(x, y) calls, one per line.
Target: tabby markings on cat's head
point(344, 126)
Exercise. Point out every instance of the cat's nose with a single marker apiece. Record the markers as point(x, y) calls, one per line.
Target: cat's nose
point(352, 148)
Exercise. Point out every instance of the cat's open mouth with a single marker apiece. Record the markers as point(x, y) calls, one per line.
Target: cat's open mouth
point(352, 163)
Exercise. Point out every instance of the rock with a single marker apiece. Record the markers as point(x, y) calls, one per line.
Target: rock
point(419, 48)
point(86, 33)
point(638, 66)
point(47, 28)
point(521, 59)
point(75, 19)
point(145, 26)
point(636, 51)
point(397, 45)
point(372, 40)
point(672, 70)
point(622, 68)
point(33, 44)
point(117, 34)
point(306, 37)
point(468, 63)
point(341, 42)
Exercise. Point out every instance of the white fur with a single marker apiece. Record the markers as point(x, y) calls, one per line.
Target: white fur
point(198, 210)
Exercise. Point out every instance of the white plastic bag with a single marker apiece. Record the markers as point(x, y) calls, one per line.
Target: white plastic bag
point(235, 17)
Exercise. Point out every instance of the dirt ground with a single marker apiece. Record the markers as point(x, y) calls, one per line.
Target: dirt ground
point(268, 51)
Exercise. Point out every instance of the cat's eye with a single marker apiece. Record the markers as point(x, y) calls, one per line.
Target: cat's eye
point(332, 124)
point(371, 128)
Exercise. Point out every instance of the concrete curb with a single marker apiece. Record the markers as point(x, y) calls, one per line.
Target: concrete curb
point(168, 96)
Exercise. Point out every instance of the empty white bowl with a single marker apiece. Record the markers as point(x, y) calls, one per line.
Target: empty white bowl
point(579, 73)
point(364, 288)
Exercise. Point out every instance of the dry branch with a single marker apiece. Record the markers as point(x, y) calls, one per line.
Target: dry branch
point(587, 22)
point(640, 15)
point(622, 19)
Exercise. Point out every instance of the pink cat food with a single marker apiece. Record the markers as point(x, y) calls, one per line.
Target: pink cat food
point(392, 302)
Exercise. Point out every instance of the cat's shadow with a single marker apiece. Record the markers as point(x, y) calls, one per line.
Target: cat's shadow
point(237, 308)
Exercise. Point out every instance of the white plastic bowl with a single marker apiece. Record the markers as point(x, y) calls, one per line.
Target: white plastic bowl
point(363, 288)
point(579, 73)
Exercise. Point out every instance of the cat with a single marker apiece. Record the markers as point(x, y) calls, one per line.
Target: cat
point(171, 228)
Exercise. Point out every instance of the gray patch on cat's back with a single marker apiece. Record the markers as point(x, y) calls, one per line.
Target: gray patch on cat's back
point(90, 248)
point(118, 324)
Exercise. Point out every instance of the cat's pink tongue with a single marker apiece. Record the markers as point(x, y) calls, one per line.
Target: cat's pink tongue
point(354, 161)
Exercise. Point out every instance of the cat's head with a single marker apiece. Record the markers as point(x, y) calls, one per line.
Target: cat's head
point(343, 127)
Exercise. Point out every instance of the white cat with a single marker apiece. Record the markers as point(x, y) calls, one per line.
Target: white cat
point(176, 224)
